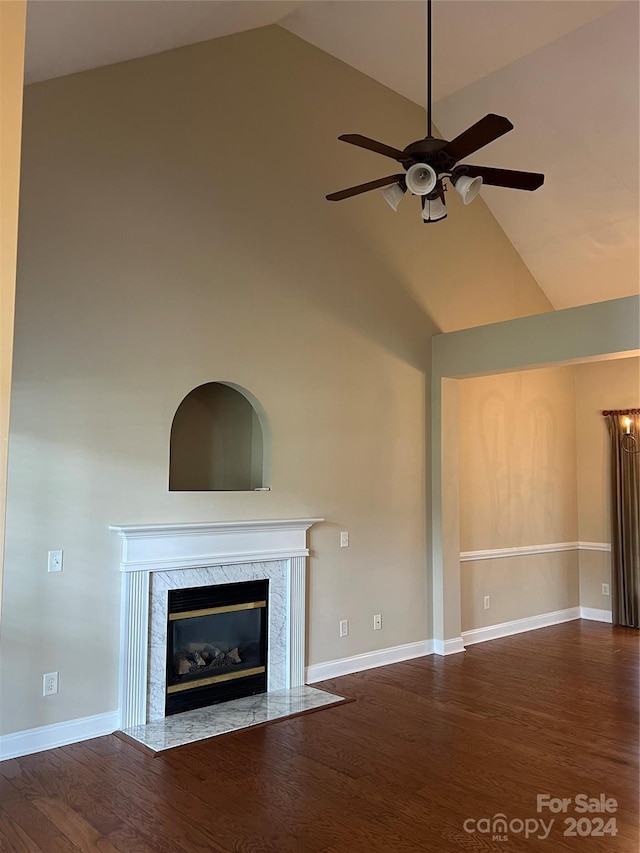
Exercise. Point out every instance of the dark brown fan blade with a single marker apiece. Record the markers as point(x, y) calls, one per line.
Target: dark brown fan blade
point(503, 177)
point(372, 145)
point(363, 188)
point(477, 136)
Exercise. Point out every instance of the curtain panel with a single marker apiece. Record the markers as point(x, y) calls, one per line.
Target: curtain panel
point(624, 431)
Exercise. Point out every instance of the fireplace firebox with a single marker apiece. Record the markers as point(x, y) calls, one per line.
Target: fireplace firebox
point(216, 644)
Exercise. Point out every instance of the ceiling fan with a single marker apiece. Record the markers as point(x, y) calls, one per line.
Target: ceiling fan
point(427, 162)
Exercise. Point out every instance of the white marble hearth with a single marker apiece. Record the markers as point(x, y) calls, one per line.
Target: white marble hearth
point(157, 558)
point(204, 723)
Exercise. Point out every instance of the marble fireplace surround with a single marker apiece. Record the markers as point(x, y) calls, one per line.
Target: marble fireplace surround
point(160, 557)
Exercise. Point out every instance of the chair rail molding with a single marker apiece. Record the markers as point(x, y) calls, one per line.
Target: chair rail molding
point(531, 550)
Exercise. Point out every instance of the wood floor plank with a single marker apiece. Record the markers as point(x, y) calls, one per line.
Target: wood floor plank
point(427, 745)
point(21, 778)
point(38, 827)
point(83, 835)
point(7, 790)
point(13, 839)
point(162, 821)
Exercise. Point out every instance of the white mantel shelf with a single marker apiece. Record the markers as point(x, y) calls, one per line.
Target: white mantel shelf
point(159, 557)
point(162, 547)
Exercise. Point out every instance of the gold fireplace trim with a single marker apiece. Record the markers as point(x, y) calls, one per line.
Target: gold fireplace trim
point(215, 679)
point(211, 611)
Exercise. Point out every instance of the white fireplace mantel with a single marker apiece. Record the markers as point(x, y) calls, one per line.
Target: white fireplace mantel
point(162, 547)
point(175, 555)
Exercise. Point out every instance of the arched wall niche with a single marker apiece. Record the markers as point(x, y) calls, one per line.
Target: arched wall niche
point(220, 441)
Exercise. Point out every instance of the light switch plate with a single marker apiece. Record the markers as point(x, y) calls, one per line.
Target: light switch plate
point(54, 563)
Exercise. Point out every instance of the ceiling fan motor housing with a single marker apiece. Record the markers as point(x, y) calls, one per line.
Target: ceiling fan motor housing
point(425, 162)
point(428, 150)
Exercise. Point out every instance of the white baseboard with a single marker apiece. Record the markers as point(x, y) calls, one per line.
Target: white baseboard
point(448, 647)
point(368, 660)
point(57, 734)
point(519, 626)
point(60, 734)
point(595, 615)
point(396, 654)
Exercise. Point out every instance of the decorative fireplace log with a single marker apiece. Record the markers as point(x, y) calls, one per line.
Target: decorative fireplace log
point(200, 658)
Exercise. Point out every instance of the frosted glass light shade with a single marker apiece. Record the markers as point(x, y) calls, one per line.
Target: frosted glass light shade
point(421, 179)
point(393, 195)
point(468, 188)
point(434, 209)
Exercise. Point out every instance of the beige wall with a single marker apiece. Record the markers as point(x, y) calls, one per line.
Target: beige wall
point(599, 385)
point(12, 27)
point(519, 587)
point(517, 459)
point(517, 486)
point(174, 232)
point(604, 330)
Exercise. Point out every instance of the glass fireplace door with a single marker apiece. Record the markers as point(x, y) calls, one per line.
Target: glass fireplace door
point(216, 644)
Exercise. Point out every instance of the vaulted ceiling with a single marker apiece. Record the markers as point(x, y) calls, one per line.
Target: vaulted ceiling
point(566, 72)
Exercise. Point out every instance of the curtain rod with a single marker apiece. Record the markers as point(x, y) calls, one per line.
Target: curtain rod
point(620, 412)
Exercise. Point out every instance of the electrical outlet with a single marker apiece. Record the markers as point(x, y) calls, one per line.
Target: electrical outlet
point(50, 684)
point(344, 627)
point(377, 622)
point(487, 602)
point(605, 589)
point(54, 563)
point(344, 539)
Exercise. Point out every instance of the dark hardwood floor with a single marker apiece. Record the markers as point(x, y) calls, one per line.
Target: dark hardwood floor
point(426, 746)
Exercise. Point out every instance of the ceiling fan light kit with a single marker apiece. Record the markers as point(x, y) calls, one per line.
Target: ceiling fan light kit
point(433, 208)
point(421, 179)
point(393, 195)
point(467, 187)
point(430, 161)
